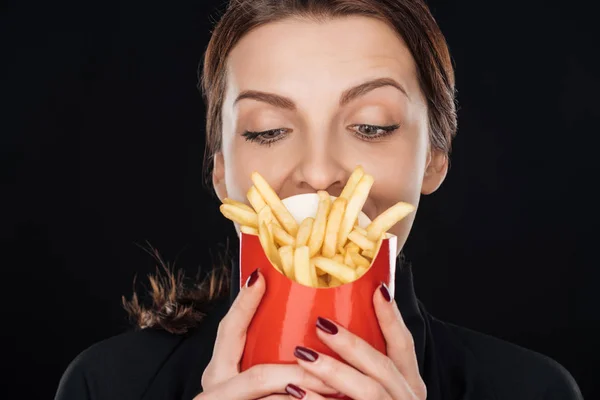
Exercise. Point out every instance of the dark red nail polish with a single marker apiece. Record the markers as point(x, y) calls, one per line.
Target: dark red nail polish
point(385, 292)
point(305, 354)
point(327, 326)
point(252, 278)
point(295, 391)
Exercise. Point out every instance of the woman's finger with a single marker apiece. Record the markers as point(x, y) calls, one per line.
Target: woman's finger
point(231, 334)
point(296, 392)
point(362, 356)
point(265, 380)
point(342, 377)
point(399, 341)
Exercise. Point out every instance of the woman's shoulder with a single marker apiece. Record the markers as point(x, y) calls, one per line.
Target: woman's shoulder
point(512, 371)
point(126, 365)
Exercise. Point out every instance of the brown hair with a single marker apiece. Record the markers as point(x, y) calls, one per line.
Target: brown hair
point(411, 19)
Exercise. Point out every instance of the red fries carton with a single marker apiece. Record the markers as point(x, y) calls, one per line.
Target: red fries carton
point(288, 312)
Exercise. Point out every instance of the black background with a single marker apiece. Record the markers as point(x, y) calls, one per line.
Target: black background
point(101, 150)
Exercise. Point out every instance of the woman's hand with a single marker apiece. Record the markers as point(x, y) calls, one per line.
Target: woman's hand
point(222, 378)
point(374, 376)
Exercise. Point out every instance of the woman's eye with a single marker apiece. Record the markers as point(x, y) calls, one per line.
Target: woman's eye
point(373, 132)
point(266, 137)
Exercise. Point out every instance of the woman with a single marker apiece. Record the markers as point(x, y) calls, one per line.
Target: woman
point(303, 91)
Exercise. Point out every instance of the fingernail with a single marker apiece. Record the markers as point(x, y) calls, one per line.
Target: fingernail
point(305, 354)
point(327, 326)
point(252, 278)
point(295, 391)
point(385, 291)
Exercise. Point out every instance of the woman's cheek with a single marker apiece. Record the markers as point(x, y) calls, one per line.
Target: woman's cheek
point(239, 161)
point(402, 230)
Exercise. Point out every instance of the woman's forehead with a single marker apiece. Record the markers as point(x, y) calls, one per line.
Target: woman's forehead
point(294, 54)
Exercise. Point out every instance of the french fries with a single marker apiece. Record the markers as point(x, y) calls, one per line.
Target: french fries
point(267, 243)
point(313, 274)
point(355, 177)
point(272, 200)
point(239, 215)
point(359, 260)
point(360, 230)
point(318, 229)
point(255, 199)
point(368, 253)
point(355, 204)
point(302, 266)
point(249, 230)
point(286, 253)
point(281, 237)
point(324, 251)
point(238, 204)
point(387, 219)
point(334, 268)
point(304, 232)
point(361, 241)
point(352, 248)
point(333, 227)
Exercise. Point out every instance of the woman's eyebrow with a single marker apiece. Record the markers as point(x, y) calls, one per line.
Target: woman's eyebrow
point(346, 97)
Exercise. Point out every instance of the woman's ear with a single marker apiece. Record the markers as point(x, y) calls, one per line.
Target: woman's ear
point(435, 171)
point(218, 176)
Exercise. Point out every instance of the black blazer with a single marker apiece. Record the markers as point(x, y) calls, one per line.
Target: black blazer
point(455, 363)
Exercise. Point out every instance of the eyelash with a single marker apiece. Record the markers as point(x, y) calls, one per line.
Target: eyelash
point(387, 131)
point(259, 137)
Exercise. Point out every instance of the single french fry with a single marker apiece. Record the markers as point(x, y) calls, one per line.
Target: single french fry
point(238, 204)
point(266, 215)
point(304, 232)
point(281, 237)
point(286, 253)
point(368, 253)
point(255, 199)
point(355, 204)
point(360, 271)
point(249, 230)
point(302, 266)
point(268, 245)
point(313, 274)
point(279, 210)
point(360, 230)
point(348, 260)
point(334, 268)
point(338, 258)
point(373, 253)
point(361, 241)
point(333, 225)
point(355, 177)
point(359, 260)
point(266, 218)
point(239, 215)
point(333, 282)
point(378, 244)
point(387, 219)
point(352, 247)
point(318, 229)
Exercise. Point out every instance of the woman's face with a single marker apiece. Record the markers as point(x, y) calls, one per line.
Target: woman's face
point(302, 82)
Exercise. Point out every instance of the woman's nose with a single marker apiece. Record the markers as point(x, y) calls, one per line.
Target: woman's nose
point(320, 170)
